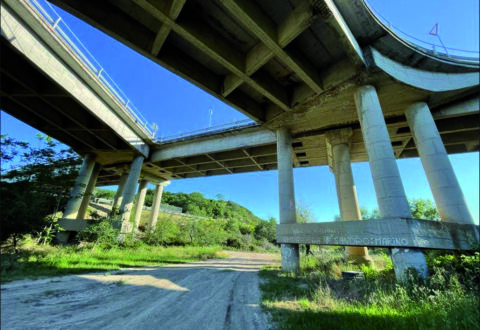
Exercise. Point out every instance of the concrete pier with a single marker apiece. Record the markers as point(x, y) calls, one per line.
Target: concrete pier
point(391, 197)
point(129, 194)
point(78, 191)
point(142, 192)
point(88, 192)
point(446, 190)
point(117, 199)
point(73, 205)
point(346, 190)
point(157, 201)
point(286, 193)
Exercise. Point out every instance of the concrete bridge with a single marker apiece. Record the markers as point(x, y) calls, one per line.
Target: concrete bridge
point(326, 82)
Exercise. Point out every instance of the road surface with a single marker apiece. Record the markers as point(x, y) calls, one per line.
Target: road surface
point(215, 294)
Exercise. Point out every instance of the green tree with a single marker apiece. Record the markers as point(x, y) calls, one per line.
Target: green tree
point(35, 189)
point(423, 209)
point(420, 208)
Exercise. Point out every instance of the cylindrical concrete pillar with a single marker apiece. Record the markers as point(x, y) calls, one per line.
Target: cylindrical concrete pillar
point(78, 191)
point(286, 193)
point(73, 205)
point(88, 192)
point(129, 194)
point(391, 197)
point(346, 191)
point(446, 190)
point(117, 200)
point(142, 192)
point(157, 201)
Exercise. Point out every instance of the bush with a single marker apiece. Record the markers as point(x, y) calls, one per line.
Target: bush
point(101, 232)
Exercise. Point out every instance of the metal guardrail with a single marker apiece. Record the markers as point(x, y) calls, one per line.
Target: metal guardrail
point(214, 129)
point(61, 29)
point(440, 51)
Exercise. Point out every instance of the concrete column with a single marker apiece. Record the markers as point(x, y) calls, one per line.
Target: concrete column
point(142, 191)
point(117, 200)
point(286, 193)
point(88, 192)
point(339, 141)
point(446, 190)
point(129, 195)
point(73, 205)
point(391, 197)
point(157, 201)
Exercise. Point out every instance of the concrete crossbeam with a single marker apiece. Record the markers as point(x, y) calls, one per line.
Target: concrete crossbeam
point(212, 145)
point(386, 232)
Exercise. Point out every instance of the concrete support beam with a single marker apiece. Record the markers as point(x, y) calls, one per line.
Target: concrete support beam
point(391, 197)
point(157, 201)
point(117, 199)
point(446, 190)
point(251, 15)
point(129, 195)
point(142, 192)
point(88, 192)
point(215, 144)
point(332, 17)
point(174, 8)
point(346, 191)
point(78, 191)
point(217, 48)
point(289, 29)
point(286, 194)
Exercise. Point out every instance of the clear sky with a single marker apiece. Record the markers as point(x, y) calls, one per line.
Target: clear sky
point(177, 106)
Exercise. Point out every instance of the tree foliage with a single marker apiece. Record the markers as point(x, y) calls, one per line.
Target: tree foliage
point(36, 187)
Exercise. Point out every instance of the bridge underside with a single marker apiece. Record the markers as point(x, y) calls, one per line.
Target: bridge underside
point(293, 64)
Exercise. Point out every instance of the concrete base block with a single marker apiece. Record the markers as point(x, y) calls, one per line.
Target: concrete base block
point(404, 258)
point(62, 237)
point(290, 258)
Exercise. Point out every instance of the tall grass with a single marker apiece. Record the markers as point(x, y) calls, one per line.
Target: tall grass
point(34, 261)
point(318, 297)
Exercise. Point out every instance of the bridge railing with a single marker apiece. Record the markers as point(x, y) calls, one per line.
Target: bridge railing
point(49, 15)
point(438, 50)
point(210, 130)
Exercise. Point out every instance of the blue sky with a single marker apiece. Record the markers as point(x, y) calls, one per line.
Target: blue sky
point(177, 106)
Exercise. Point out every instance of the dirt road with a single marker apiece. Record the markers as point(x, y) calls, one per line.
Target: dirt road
point(215, 294)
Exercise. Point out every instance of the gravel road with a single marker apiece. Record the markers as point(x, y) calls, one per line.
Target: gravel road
point(215, 294)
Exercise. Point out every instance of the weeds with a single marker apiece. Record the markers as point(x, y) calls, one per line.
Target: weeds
point(448, 299)
point(36, 261)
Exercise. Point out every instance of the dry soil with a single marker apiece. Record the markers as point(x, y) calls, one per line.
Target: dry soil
point(215, 294)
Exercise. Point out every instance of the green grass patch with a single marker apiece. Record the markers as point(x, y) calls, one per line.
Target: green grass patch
point(318, 297)
point(34, 261)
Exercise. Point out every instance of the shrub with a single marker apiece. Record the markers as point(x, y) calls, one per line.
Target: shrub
point(101, 232)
